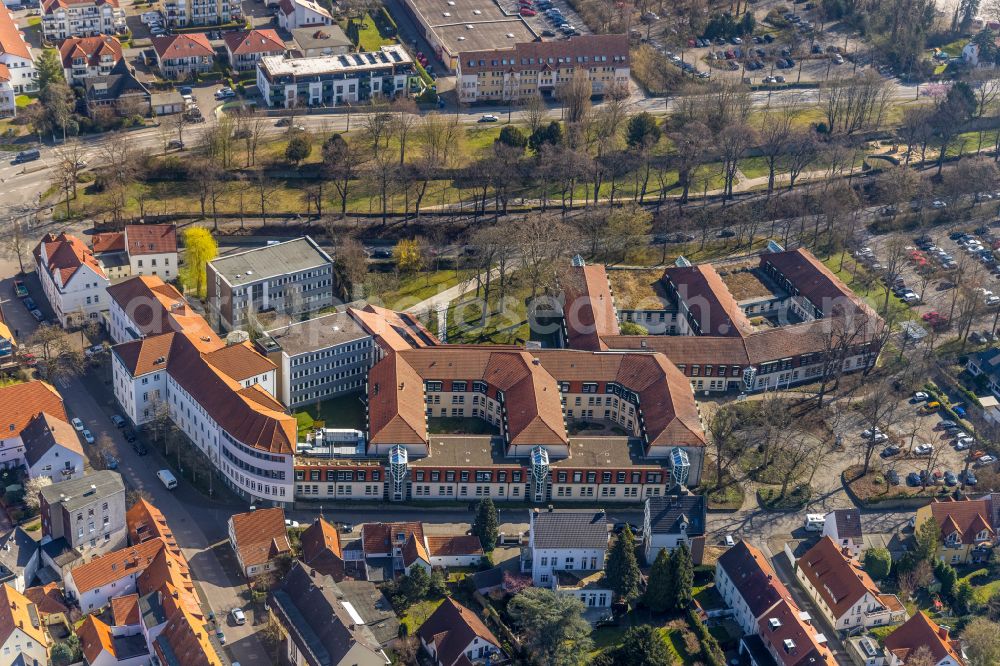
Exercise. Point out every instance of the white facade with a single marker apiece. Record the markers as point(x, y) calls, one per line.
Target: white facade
point(162, 264)
point(182, 13)
point(868, 611)
point(83, 20)
point(11, 452)
point(83, 295)
point(23, 77)
point(139, 395)
point(742, 614)
point(58, 464)
point(20, 644)
point(304, 13)
point(830, 530)
point(476, 651)
point(101, 596)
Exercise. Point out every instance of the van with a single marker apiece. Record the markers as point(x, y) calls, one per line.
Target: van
point(815, 522)
point(167, 478)
point(28, 155)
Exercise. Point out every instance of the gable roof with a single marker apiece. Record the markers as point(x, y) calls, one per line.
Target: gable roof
point(65, 254)
point(968, 517)
point(321, 542)
point(394, 331)
point(668, 512)
point(125, 610)
point(108, 241)
point(709, 300)
point(119, 82)
point(920, 631)
point(589, 307)
point(753, 577)
point(313, 611)
point(115, 565)
point(95, 638)
point(288, 7)
point(92, 49)
point(794, 641)
point(20, 403)
point(48, 599)
point(414, 550)
point(848, 522)
point(379, 538)
point(45, 432)
point(11, 40)
point(838, 579)
point(260, 535)
point(146, 522)
point(183, 45)
point(16, 612)
point(454, 544)
point(157, 307)
point(451, 628)
point(143, 239)
point(569, 529)
point(184, 640)
point(254, 41)
point(17, 548)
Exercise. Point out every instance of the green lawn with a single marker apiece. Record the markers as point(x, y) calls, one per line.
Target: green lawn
point(369, 38)
point(418, 613)
point(440, 425)
point(417, 287)
point(340, 412)
point(985, 586)
point(22, 101)
point(871, 290)
point(505, 323)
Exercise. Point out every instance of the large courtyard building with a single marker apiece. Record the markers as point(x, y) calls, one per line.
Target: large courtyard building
point(333, 80)
point(773, 321)
point(526, 69)
point(454, 26)
point(291, 278)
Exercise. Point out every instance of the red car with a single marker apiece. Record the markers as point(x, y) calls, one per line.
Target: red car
point(931, 316)
point(525, 11)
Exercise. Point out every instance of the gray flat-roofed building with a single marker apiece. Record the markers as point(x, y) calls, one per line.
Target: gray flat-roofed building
point(293, 277)
point(88, 512)
point(320, 40)
point(319, 358)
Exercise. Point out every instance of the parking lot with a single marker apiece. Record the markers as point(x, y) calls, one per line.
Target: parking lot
point(536, 13)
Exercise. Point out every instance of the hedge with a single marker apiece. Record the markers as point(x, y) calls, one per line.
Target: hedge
point(387, 26)
point(710, 649)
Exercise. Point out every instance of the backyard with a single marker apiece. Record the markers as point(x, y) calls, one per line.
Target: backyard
point(341, 412)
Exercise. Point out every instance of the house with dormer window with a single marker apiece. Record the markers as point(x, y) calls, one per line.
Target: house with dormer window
point(672, 520)
point(183, 55)
point(843, 592)
point(844, 527)
point(87, 57)
point(967, 533)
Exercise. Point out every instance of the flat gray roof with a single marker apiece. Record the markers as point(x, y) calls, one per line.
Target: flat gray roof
point(77, 493)
point(490, 24)
point(321, 36)
point(263, 263)
point(311, 335)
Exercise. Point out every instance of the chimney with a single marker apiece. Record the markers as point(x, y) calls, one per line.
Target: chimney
point(943, 633)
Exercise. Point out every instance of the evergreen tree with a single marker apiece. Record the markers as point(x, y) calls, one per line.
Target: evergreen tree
point(642, 646)
point(622, 569)
point(947, 576)
point(513, 136)
point(878, 563)
point(682, 572)
point(659, 589)
point(416, 584)
point(928, 537)
point(487, 524)
point(48, 69)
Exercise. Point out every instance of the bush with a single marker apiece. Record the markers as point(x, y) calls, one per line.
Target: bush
point(710, 649)
point(632, 328)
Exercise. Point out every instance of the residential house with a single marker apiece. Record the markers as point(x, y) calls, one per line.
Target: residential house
point(146, 306)
point(120, 93)
point(17, 65)
point(52, 449)
point(22, 638)
point(246, 48)
point(748, 585)
point(294, 14)
point(785, 636)
point(62, 19)
point(320, 40)
point(145, 522)
point(74, 283)
point(374, 609)
point(985, 366)
point(843, 526)
point(139, 249)
point(294, 277)
point(50, 604)
point(105, 645)
point(321, 549)
point(672, 520)
point(181, 13)
point(566, 552)
point(404, 545)
point(86, 514)
point(453, 634)
point(87, 57)
point(258, 538)
point(918, 632)
point(185, 640)
point(843, 591)
point(20, 404)
point(320, 628)
point(967, 534)
point(20, 559)
point(182, 55)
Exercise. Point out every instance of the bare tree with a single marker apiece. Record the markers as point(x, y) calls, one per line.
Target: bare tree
point(575, 96)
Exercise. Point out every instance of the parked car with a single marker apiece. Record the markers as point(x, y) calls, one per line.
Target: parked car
point(238, 616)
point(93, 351)
point(20, 289)
point(950, 479)
point(77, 424)
point(488, 118)
point(110, 462)
point(982, 461)
point(923, 449)
point(118, 421)
point(892, 476)
point(37, 314)
point(889, 451)
point(29, 303)
point(139, 449)
point(913, 479)
point(967, 478)
point(920, 396)
point(87, 436)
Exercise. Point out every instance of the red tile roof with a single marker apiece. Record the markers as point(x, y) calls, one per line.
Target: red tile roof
point(48, 599)
point(792, 640)
point(44, 432)
point(145, 522)
point(141, 239)
point(260, 535)
point(451, 628)
point(188, 640)
point(65, 254)
point(20, 403)
point(753, 577)
point(920, 631)
point(837, 578)
point(454, 545)
point(15, 614)
point(92, 49)
point(380, 538)
point(184, 45)
point(125, 610)
point(967, 517)
point(109, 241)
point(709, 300)
point(254, 41)
point(393, 331)
point(589, 312)
point(115, 565)
point(528, 55)
point(157, 307)
point(95, 638)
point(4, 73)
point(11, 39)
point(321, 549)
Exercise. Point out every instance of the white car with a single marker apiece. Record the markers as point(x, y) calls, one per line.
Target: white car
point(992, 300)
point(239, 617)
point(93, 351)
point(87, 436)
point(730, 541)
point(488, 118)
point(920, 396)
point(77, 424)
point(937, 203)
point(291, 524)
point(962, 443)
point(923, 449)
point(985, 460)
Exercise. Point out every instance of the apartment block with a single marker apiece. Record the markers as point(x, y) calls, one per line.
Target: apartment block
point(88, 57)
point(291, 278)
point(17, 65)
point(62, 19)
point(87, 513)
point(183, 13)
point(72, 280)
